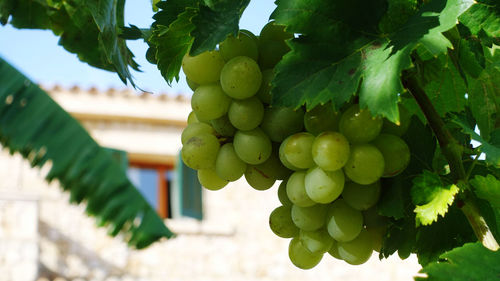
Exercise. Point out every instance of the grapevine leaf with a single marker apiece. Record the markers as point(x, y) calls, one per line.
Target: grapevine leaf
point(431, 197)
point(483, 15)
point(400, 237)
point(434, 44)
point(487, 188)
point(213, 24)
point(469, 262)
point(483, 93)
point(171, 9)
point(490, 148)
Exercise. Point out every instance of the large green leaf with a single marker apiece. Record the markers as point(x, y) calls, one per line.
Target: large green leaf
point(32, 124)
point(483, 15)
point(487, 188)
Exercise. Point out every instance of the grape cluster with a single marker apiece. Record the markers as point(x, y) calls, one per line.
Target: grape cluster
point(330, 162)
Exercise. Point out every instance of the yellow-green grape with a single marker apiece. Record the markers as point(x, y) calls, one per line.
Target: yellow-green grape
point(200, 151)
point(404, 122)
point(283, 159)
point(228, 165)
point(210, 180)
point(282, 196)
point(301, 257)
point(195, 129)
point(257, 179)
point(209, 102)
point(330, 151)
point(246, 114)
point(377, 236)
point(317, 241)
point(321, 118)
point(371, 218)
point(296, 190)
point(324, 186)
point(281, 224)
point(264, 92)
point(396, 154)
point(281, 122)
point(242, 45)
point(357, 251)
point(309, 218)
point(358, 125)
point(274, 168)
point(361, 197)
point(204, 68)
point(192, 118)
point(240, 77)
point(365, 164)
point(253, 147)
point(334, 250)
point(223, 126)
point(297, 150)
point(192, 85)
point(343, 222)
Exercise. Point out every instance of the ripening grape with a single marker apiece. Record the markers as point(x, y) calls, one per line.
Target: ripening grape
point(358, 125)
point(209, 102)
point(317, 241)
point(296, 190)
point(280, 222)
point(361, 197)
point(396, 154)
point(246, 114)
point(192, 118)
point(192, 85)
point(264, 92)
point(274, 168)
point(242, 45)
point(253, 147)
point(301, 257)
point(257, 179)
point(309, 218)
point(324, 186)
point(343, 222)
point(372, 219)
point(223, 126)
point(195, 129)
point(377, 236)
point(365, 164)
point(283, 159)
point(297, 150)
point(404, 122)
point(357, 251)
point(200, 152)
point(240, 77)
point(204, 68)
point(228, 165)
point(334, 250)
point(282, 196)
point(210, 180)
point(330, 151)
point(281, 122)
point(321, 118)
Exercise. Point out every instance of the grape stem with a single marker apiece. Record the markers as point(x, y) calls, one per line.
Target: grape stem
point(453, 151)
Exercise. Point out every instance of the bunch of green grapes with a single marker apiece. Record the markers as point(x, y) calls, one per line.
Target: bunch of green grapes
point(330, 163)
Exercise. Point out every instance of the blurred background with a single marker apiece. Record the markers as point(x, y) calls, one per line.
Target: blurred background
point(222, 235)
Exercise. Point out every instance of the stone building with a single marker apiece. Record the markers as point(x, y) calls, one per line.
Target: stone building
point(43, 237)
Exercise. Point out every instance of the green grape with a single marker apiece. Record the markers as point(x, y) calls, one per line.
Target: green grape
point(373, 219)
point(283, 159)
point(281, 122)
point(200, 151)
point(271, 52)
point(321, 118)
point(361, 197)
point(241, 77)
point(317, 241)
point(296, 190)
point(204, 68)
point(242, 45)
point(396, 154)
point(365, 164)
point(301, 257)
point(330, 151)
point(209, 102)
point(210, 180)
point(228, 165)
point(246, 114)
point(358, 125)
point(282, 196)
point(404, 122)
point(264, 92)
point(274, 32)
point(357, 251)
point(334, 250)
point(309, 218)
point(253, 147)
point(324, 186)
point(192, 118)
point(343, 222)
point(257, 179)
point(195, 129)
point(249, 33)
point(273, 167)
point(297, 150)
point(223, 126)
point(280, 222)
point(192, 85)
point(377, 236)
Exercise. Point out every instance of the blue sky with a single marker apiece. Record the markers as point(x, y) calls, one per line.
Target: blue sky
point(37, 54)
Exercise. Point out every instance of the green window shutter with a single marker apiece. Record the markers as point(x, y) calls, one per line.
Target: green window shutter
point(189, 190)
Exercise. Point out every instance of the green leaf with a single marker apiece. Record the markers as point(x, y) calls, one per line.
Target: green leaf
point(469, 262)
point(487, 188)
point(431, 197)
point(213, 24)
point(32, 124)
point(483, 15)
point(483, 93)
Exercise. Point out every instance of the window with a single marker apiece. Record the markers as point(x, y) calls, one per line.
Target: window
point(173, 191)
